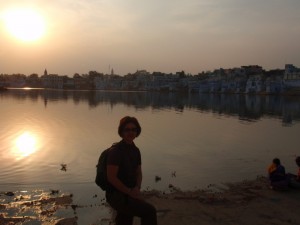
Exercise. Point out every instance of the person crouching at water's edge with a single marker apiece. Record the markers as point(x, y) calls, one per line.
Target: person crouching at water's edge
point(124, 173)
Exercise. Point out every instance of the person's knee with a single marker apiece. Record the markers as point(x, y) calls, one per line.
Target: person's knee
point(148, 216)
point(151, 211)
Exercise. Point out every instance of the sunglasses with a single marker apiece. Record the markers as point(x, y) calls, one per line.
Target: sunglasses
point(130, 130)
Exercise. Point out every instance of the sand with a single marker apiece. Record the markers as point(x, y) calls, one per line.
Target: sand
point(243, 203)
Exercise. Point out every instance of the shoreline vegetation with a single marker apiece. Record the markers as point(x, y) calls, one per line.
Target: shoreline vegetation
point(245, 202)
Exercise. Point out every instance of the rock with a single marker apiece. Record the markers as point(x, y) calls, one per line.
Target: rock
point(9, 193)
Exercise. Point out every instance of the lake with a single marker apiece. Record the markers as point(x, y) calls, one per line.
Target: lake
point(189, 140)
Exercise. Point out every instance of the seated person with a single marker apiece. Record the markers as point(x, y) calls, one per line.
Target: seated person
point(295, 179)
point(277, 176)
point(298, 164)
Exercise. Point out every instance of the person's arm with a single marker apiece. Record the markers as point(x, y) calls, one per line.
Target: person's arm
point(139, 177)
point(112, 172)
point(136, 191)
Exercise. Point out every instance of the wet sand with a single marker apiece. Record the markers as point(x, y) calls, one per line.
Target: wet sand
point(247, 202)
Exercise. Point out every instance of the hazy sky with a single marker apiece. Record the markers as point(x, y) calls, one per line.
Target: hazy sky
point(156, 35)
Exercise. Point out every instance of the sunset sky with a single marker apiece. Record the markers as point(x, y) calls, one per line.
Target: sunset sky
point(77, 36)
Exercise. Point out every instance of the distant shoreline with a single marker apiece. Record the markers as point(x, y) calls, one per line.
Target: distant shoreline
point(287, 93)
point(251, 79)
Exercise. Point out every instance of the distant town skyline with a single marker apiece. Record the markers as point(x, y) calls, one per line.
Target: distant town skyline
point(46, 72)
point(68, 37)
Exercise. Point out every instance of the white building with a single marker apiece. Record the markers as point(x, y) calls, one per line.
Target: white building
point(52, 81)
point(291, 79)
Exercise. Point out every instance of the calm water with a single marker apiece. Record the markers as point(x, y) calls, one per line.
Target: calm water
point(204, 138)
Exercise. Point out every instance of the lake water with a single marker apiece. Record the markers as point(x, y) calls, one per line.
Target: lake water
point(204, 139)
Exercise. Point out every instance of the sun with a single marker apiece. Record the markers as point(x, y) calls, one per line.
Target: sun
point(24, 24)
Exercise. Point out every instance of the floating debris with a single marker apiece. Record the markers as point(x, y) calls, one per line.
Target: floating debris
point(174, 174)
point(63, 167)
point(74, 207)
point(171, 186)
point(54, 192)
point(157, 178)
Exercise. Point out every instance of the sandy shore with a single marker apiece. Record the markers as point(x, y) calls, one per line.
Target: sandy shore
point(247, 202)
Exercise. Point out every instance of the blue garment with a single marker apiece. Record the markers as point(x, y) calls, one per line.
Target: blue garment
point(278, 174)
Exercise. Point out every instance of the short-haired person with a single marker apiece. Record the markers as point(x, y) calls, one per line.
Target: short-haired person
point(124, 174)
point(277, 175)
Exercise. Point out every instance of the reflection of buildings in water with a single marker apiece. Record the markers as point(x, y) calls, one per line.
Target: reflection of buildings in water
point(287, 119)
point(290, 110)
point(246, 107)
point(45, 102)
point(274, 103)
point(253, 106)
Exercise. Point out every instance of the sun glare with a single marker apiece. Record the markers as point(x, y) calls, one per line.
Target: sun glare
point(25, 145)
point(24, 24)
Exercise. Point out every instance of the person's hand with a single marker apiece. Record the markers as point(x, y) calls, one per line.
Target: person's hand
point(135, 193)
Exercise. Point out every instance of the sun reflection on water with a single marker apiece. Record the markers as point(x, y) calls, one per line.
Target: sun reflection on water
point(25, 145)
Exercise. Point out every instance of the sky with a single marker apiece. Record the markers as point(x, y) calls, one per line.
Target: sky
point(157, 35)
